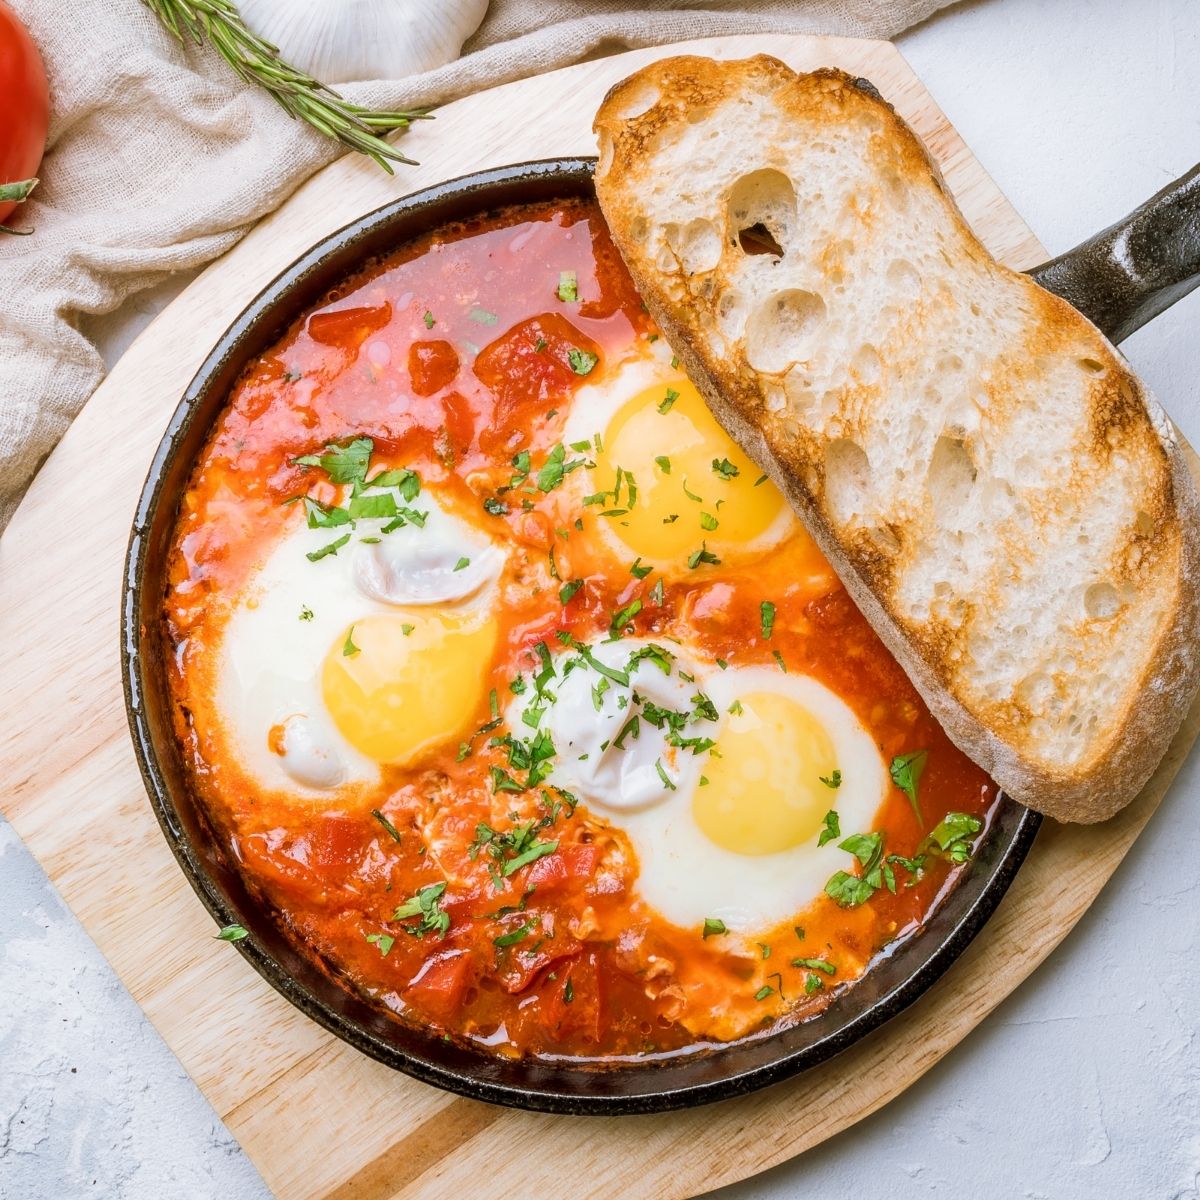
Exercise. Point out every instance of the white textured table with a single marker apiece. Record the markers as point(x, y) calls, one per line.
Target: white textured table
point(1086, 1082)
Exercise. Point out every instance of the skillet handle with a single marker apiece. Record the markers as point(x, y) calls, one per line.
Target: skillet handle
point(1133, 270)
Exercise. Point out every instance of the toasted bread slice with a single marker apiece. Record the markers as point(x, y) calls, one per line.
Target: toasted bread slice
point(1001, 496)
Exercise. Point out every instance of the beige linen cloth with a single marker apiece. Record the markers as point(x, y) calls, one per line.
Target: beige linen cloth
point(160, 159)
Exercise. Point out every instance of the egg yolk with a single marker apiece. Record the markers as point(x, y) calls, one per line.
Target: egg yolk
point(693, 483)
point(764, 791)
point(398, 685)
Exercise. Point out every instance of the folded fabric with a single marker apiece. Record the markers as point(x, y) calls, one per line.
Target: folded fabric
point(160, 159)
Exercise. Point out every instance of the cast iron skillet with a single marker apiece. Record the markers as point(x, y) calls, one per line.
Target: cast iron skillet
point(1120, 279)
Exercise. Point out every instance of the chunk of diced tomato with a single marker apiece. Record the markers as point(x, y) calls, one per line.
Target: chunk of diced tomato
point(439, 987)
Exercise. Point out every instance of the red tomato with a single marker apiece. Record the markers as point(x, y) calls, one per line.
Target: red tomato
point(24, 104)
point(439, 986)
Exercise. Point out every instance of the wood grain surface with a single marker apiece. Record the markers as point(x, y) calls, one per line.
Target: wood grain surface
point(317, 1118)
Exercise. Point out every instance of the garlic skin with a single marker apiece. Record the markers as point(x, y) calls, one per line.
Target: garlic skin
point(345, 41)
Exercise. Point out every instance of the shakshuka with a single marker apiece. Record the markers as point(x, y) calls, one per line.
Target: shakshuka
point(515, 688)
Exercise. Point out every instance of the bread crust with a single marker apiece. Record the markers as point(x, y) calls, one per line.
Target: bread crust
point(1121, 439)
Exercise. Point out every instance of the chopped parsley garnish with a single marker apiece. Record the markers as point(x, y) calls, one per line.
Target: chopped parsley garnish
point(582, 361)
point(462, 564)
point(668, 783)
point(425, 905)
point(319, 517)
point(669, 399)
point(760, 479)
point(779, 661)
point(349, 649)
point(332, 548)
point(395, 833)
point(764, 949)
point(637, 570)
point(232, 933)
point(406, 628)
point(482, 316)
point(815, 964)
point(712, 927)
point(725, 469)
point(812, 983)
point(342, 462)
point(625, 615)
point(568, 287)
point(496, 507)
point(568, 590)
point(517, 935)
point(691, 495)
point(833, 828)
point(954, 835)
point(906, 771)
point(405, 481)
point(708, 522)
point(766, 612)
point(381, 504)
point(306, 613)
point(539, 345)
point(656, 594)
point(556, 467)
point(383, 942)
point(849, 891)
point(664, 464)
point(833, 780)
point(703, 555)
point(428, 319)
point(764, 991)
point(568, 992)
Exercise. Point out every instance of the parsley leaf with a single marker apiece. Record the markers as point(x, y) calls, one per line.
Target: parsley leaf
point(232, 933)
point(906, 771)
point(555, 468)
point(568, 590)
point(725, 469)
point(670, 398)
point(712, 927)
point(624, 616)
point(815, 964)
point(568, 287)
point(383, 942)
point(766, 612)
point(386, 824)
point(381, 505)
point(954, 835)
point(582, 361)
point(426, 905)
point(349, 649)
point(332, 548)
point(517, 935)
point(664, 464)
point(703, 555)
point(428, 319)
point(832, 828)
point(342, 462)
point(832, 781)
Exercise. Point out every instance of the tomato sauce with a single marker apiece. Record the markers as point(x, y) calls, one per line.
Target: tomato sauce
point(454, 355)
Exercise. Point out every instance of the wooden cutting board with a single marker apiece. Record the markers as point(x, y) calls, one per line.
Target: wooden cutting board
point(317, 1118)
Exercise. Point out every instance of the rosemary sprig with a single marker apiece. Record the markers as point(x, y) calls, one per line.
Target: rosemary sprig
point(219, 23)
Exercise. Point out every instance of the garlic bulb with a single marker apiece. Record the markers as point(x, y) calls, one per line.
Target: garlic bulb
point(344, 41)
